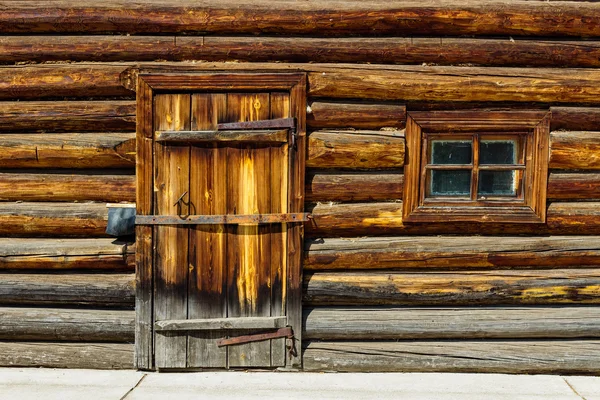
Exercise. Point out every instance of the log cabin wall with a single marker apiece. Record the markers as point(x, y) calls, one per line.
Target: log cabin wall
point(379, 295)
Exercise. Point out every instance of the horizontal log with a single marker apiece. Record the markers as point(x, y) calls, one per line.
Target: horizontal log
point(566, 286)
point(356, 149)
point(67, 150)
point(67, 116)
point(83, 186)
point(57, 81)
point(384, 323)
point(452, 252)
point(575, 150)
point(369, 219)
point(314, 18)
point(100, 290)
point(570, 186)
point(53, 219)
point(329, 114)
point(469, 84)
point(575, 118)
point(389, 50)
point(65, 324)
point(67, 355)
point(61, 254)
point(356, 186)
point(514, 356)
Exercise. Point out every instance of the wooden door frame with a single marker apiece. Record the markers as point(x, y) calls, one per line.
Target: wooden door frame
point(147, 86)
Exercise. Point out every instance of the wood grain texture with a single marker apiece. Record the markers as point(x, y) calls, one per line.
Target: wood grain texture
point(532, 287)
point(65, 254)
point(19, 219)
point(44, 81)
point(65, 186)
point(575, 150)
point(310, 18)
point(67, 116)
point(325, 186)
point(452, 252)
point(394, 323)
point(67, 150)
point(359, 115)
point(575, 118)
point(498, 356)
point(574, 186)
point(355, 149)
point(376, 219)
point(99, 290)
point(67, 355)
point(66, 324)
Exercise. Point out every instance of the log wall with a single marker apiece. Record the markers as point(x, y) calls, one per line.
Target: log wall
point(507, 291)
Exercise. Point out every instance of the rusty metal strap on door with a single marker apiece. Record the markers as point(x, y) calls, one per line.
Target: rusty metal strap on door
point(229, 219)
point(257, 337)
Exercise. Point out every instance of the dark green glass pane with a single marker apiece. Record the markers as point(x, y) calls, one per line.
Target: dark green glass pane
point(497, 183)
point(498, 152)
point(450, 183)
point(451, 152)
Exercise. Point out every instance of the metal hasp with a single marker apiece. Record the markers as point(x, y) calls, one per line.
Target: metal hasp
point(286, 332)
point(230, 219)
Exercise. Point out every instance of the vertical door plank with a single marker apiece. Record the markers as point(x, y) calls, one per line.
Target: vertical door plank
point(248, 263)
point(171, 242)
point(208, 195)
point(280, 108)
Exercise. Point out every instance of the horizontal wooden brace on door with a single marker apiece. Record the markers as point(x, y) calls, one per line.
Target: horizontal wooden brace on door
point(221, 324)
point(229, 219)
point(255, 136)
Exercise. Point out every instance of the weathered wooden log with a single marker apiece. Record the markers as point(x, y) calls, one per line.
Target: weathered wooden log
point(452, 252)
point(371, 219)
point(574, 286)
point(575, 118)
point(575, 150)
point(329, 114)
point(355, 186)
point(518, 18)
point(67, 150)
point(470, 84)
point(573, 186)
point(53, 219)
point(67, 116)
point(100, 290)
point(359, 149)
point(20, 323)
point(506, 356)
point(55, 81)
point(384, 323)
point(66, 355)
point(61, 254)
point(393, 50)
point(83, 186)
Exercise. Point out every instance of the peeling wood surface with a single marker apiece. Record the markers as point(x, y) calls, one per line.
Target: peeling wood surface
point(67, 150)
point(81, 325)
point(61, 254)
point(99, 290)
point(452, 252)
point(394, 323)
point(563, 286)
point(64, 186)
point(67, 355)
point(498, 356)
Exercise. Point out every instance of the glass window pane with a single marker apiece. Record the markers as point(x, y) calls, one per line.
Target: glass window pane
point(450, 183)
point(498, 152)
point(497, 183)
point(451, 152)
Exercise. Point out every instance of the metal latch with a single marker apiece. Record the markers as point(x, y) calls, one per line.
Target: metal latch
point(286, 332)
point(289, 123)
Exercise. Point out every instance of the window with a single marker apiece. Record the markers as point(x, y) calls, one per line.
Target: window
point(476, 166)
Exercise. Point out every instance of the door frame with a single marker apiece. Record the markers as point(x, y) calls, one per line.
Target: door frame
point(148, 84)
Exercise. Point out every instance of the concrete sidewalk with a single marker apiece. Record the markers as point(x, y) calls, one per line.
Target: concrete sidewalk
point(46, 384)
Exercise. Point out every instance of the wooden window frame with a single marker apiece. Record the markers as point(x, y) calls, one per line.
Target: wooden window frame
point(530, 208)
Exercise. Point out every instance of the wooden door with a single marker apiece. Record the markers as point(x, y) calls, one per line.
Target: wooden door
point(214, 279)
